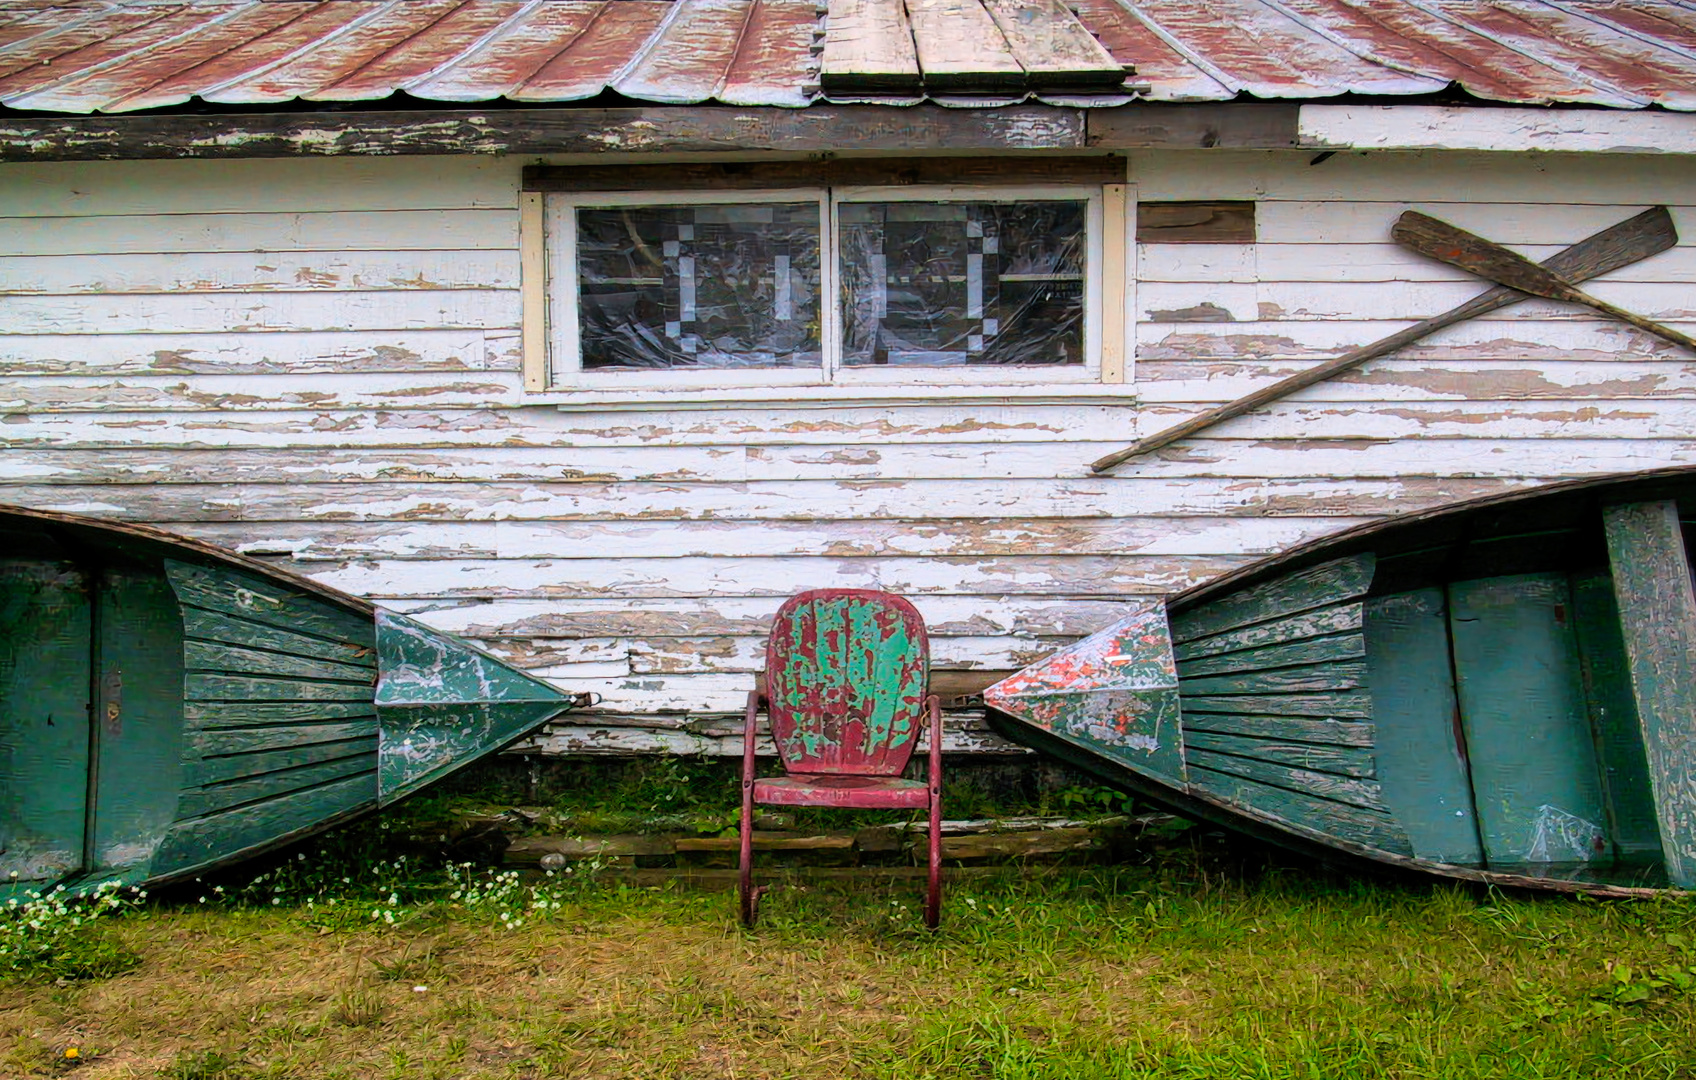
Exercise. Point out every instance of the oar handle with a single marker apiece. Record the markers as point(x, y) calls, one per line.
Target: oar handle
point(1658, 329)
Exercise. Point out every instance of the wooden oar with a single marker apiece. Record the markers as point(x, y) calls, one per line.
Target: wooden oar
point(1632, 240)
point(1457, 247)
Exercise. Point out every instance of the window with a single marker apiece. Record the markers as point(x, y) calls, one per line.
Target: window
point(820, 283)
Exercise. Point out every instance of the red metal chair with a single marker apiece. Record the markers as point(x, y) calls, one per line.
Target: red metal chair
point(846, 675)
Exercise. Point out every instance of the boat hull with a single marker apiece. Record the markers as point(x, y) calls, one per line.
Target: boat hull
point(1500, 691)
point(167, 707)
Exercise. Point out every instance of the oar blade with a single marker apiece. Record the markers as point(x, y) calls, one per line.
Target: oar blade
point(1617, 246)
point(1457, 247)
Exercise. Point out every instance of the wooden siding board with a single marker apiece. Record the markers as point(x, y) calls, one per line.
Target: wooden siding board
point(259, 313)
point(792, 501)
point(322, 230)
point(335, 542)
point(1059, 575)
point(298, 353)
point(1651, 569)
point(166, 190)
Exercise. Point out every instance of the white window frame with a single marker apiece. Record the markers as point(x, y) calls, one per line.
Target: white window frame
point(551, 309)
point(565, 311)
point(992, 374)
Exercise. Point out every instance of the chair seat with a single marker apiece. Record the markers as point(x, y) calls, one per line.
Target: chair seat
point(836, 789)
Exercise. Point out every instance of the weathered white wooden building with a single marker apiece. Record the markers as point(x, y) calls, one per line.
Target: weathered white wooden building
point(591, 329)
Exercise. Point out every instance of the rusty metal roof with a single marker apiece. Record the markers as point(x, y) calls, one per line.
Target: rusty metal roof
point(118, 56)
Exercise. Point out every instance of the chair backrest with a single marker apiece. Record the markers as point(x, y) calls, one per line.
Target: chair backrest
point(846, 672)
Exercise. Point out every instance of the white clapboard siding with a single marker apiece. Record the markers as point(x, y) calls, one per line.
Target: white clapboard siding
point(1556, 226)
point(254, 272)
point(659, 655)
point(1424, 380)
point(1437, 177)
point(1394, 301)
point(300, 354)
point(335, 541)
point(231, 393)
point(961, 616)
point(603, 466)
point(1372, 260)
point(1115, 496)
point(542, 426)
point(582, 736)
point(318, 363)
point(270, 185)
point(1031, 575)
point(1578, 339)
point(1674, 420)
point(260, 312)
point(1241, 448)
point(327, 230)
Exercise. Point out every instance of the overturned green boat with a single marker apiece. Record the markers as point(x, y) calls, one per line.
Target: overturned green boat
point(167, 706)
point(1503, 691)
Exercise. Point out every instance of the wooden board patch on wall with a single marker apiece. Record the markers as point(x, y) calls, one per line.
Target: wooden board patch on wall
point(1195, 223)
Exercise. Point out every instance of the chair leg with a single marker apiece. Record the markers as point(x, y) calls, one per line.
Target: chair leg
point(745, 887)
point(750, 901)
point(933, 895)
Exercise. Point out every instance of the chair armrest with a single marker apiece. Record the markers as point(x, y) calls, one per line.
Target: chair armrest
point(755, 700)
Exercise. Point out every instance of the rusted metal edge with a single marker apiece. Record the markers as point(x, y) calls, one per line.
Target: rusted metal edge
point(653, 129)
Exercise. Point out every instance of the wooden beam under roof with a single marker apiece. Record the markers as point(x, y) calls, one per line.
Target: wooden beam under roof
point(817, 129)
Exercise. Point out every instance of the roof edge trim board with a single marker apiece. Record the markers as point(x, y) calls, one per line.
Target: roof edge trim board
point(636, 129)
point(820, 128)
point(1447, 127)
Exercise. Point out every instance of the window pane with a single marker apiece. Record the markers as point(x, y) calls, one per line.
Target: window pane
point(696, 286)
point(953, 283)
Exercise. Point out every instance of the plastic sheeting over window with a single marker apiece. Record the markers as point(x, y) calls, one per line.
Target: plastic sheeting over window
point(699, 286)
point(930, 284)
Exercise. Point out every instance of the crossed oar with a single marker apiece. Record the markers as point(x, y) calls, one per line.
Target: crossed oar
point(1517, 277)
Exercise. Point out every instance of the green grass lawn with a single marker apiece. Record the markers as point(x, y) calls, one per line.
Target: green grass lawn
point(1195, 965)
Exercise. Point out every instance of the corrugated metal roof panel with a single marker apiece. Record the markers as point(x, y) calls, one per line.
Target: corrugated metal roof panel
point(81, 56)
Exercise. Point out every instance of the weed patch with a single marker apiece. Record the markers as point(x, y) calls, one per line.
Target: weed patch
point(58, 936)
